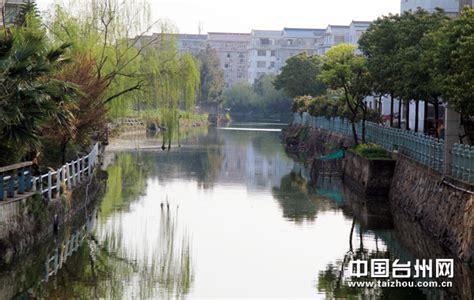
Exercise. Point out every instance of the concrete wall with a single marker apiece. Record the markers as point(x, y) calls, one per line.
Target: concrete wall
point(26, 222)
point(444, 212)
point(368, 177)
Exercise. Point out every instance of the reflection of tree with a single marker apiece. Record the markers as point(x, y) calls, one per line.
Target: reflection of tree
point(297, 202)
point(334, 280)
point(107, 267)
point(126, 181)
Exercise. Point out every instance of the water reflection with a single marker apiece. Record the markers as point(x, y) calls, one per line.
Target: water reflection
point(229, 214)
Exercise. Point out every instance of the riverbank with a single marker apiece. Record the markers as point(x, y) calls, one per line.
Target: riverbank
point(442, 208)
point(27, 219)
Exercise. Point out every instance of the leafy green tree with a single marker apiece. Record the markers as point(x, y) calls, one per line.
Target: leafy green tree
point(417, 82)
point(299, 77)
point(450, 54)
point(212, 76)
point(347, 71)
point(379, 44)
point(31, 96)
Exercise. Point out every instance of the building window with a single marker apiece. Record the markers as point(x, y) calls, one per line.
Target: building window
point(228, 55)
point(272, 64)
point(226, 66)
point(265, 41)
point(273, 53)
point(289, 42)
point(242, 61)
point(261, 64)
point(262, 52)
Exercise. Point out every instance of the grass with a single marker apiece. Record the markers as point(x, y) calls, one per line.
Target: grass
point(372, 151)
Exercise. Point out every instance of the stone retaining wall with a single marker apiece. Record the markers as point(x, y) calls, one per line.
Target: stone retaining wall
point(446, 213)
point(27, 221)
point(370, 178)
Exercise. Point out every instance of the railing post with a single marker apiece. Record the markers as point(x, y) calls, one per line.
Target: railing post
point(79, 165)
point(49, 186)
point(73, 175)
point(11, 185)
point(21, 181)
point(68, 176)
point(29, 179)
point(58, 181)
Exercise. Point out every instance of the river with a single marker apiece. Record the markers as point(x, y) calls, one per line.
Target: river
point(227, 214)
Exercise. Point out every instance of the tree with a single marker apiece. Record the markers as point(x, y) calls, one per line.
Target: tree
point(299, 77)
point(379, 44)
point(88, 110)
point(31, 96)
point(347, 71)
point(111, 31)
point(212, 76)
point(451, 57)
point(416, 81)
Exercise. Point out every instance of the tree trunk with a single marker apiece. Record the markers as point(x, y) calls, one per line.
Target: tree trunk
point(417, 112)
point(354, 133)
point(407, 117)
point(392, 103)
point(63, 150)
point(400, 113)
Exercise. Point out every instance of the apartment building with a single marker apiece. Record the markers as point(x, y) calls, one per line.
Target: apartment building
point(262, 50)
point(233, 52)
point(192, 43)
point(10, 8)
point(463, 3)
point(298, 40)
point(450, 6)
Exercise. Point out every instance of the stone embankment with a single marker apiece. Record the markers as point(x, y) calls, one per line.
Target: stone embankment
point(442, 207)
point(26, 221)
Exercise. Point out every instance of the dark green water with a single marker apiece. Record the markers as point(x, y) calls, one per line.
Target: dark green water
point(228, 214)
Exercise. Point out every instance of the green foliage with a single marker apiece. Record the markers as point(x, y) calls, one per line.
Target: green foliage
point(347, 71)
point(31, 97)
point(261, 97)
point(212, 76)
point(449, 53)
point(371, 151)
point(299, 77)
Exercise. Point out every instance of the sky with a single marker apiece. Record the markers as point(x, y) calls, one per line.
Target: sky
point(245, 15)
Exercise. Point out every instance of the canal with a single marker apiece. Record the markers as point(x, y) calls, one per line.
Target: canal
point(228, 213)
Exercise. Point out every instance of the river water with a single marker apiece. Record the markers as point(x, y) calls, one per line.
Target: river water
point(227, 214)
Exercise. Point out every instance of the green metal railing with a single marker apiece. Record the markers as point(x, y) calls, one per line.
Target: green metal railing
point(463, 162)
point(17, 180)
point(424, 149)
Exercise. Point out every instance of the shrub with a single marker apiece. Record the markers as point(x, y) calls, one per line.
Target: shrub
point(371, 151)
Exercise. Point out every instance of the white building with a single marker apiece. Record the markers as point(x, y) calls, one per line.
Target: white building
point(298, 40)
point(233, 52)
point(450, 6)
point(262, 49)
point(11, 9)
point(334, 35)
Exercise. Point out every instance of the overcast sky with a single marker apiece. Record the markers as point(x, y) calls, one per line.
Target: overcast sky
point(244, 15)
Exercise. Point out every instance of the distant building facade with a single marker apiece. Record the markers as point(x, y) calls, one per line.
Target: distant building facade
point(463, 3)
point(262, 49)
point(11, 8)
point(192, 43)
point(450, 6)
point(233, 52)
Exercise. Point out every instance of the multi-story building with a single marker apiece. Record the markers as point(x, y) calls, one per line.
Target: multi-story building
point(463, 3)
point(334, 35)
point(192, 43)
point(450, 6)
point(10, 8)
point(298, 40)
point(233, 55)
point(262, 50)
